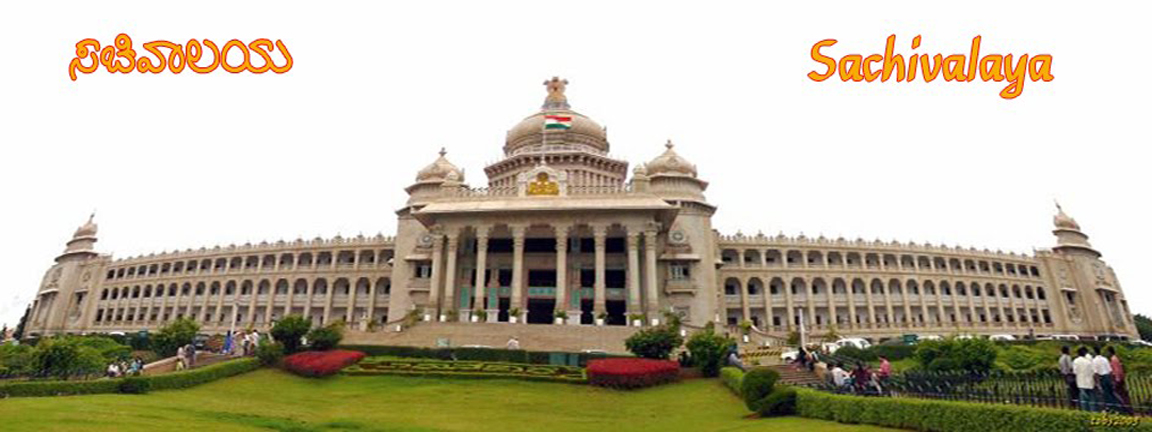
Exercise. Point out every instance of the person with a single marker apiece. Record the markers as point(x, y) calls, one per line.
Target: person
point(839, 377)
point(112, 370)
point(1119, 386)
point(861, 376)
point(1103, 370)
point(801, 358)
point(181, 358)
point(513, 344)
point(1065, 365)
point(813, 358)
point(1085, 379)
point(885, 369)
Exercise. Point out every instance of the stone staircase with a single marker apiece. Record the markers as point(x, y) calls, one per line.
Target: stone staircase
point(792, 376)
point(532, 337)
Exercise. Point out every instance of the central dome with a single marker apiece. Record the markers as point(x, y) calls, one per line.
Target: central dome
point(556, 125)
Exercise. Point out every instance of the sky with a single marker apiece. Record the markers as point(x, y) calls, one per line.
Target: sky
point(177, 161)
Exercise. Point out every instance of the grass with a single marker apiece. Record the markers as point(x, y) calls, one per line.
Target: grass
point(273, 400)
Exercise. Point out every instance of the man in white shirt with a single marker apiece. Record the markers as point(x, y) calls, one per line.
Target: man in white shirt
point(1103, 369)
point(1085, 380)
point(839, 377)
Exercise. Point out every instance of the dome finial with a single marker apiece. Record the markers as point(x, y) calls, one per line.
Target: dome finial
point(556, 98)
point(443, 152)
point(668, 145)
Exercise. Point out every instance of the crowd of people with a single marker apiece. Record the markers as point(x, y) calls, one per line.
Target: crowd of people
point(123, 368)
point(1095, 382)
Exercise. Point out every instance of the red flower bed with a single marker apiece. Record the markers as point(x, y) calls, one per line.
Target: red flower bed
point(321, 363)
point(630, 373)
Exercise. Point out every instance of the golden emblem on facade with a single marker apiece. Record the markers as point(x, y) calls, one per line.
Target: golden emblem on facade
point(543, 186)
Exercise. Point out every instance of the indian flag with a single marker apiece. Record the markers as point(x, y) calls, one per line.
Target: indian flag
point(554, 121)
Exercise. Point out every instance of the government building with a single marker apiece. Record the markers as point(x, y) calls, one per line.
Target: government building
point(565, 237)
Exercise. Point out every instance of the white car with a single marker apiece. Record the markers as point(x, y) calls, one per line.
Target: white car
point(1141, 342)
point(964, 337)
point(1002, 338)
point(789, 356)
point(1065, 337)
point(856, 342)
point(930, 338)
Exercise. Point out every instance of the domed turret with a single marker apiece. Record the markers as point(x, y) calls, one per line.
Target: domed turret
point(439, 171)
point(88, 229)
point(1068, 235)
point(671, 163)
point(672, 176)
point(1063, 221)
point(556, 124)
point(83, 243)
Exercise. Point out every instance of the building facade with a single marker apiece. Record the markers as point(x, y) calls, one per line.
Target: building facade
point(562, 235)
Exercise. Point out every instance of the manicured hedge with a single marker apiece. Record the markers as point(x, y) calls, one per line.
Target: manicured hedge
point(943, 416)
point(733, 378)
point(175, 380)
point(316, 364)
point(631, 373)
point(476, 354)
point(466, 369)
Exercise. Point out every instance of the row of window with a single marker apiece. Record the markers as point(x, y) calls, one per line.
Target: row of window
point(251, 262)
point(776, 286)
point(774, 257)
point(319, 286)
point(882, 318)
point(119, 315)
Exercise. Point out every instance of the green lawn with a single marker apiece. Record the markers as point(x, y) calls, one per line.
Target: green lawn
point(273, 400)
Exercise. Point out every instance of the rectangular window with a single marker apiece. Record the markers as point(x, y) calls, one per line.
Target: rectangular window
point(680, 271)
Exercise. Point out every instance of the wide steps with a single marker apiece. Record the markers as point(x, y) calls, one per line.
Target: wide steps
point(791, 376)
point(532, 337)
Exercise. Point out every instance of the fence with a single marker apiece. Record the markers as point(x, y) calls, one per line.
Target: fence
point(1042, 389)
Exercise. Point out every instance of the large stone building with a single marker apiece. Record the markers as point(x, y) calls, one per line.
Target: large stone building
point(565, 236)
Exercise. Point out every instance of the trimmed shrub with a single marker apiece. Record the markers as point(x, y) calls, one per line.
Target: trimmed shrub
point(732, 378)
point(289, 330)
point(756, 385)
point(175, 380)
point(654, 342)
point(942, 416)
point(466, 369)
point(326, 338)
point(316, 364)
point(631, 373)
point(976, 355)
point(135, 385)
point(708, 350)
point(781, 402)
point(270, 353)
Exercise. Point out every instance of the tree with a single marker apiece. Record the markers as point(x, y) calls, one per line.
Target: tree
point(289, 330)
point(708, 350)
point(19, 333)
point(1144, 326)
point(174, 335)
point(64, 357)
point(654, 342)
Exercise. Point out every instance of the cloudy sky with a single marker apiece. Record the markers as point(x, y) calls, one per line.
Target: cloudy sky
point(189, 160)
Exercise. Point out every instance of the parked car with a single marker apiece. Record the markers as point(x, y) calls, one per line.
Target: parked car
point(856, 342)
point(1065, 337)
point(1140, 342)
point(1002, 338)
point(931, 337)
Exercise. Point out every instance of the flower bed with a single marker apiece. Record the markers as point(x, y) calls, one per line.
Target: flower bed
point(316, 364)
point(466, 369)
point(630, 373)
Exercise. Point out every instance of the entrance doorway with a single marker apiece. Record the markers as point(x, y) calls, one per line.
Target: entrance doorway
point(616, 310)
point(502, 316)
point(540, 311)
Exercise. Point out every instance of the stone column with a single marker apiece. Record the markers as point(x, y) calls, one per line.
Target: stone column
point(766, 289)
point(789, 304)
point(599, 235)
point(633, 240)
point(434, 283)
point(288, 301)
point(517, 269)
point(650, 273)
point(450, 271)
point(350, 314)
point(479, 301)
point(745, 306)
point(809, 298)
point(562, 267)
point(371, 301)
point(831, 296)
point(330, 287)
